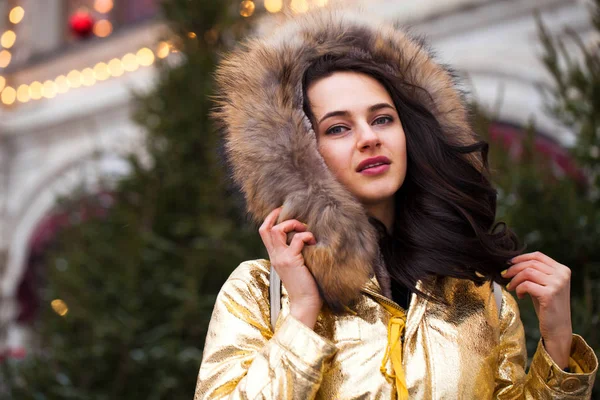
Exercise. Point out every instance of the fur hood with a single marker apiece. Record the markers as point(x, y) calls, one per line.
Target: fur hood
point(272, 148)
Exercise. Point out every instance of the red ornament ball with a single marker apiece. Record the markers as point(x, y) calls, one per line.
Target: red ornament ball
point(81, 24)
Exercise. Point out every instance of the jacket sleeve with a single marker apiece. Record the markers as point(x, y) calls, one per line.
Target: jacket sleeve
point(244, 359)
point(544, 380)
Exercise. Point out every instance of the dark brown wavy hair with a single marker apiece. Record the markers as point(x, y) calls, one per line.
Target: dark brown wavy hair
point(446, 208)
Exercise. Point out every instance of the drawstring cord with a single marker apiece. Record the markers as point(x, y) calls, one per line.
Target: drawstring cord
point(393, 350)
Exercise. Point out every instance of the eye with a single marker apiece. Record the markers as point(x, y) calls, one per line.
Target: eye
point(335, 130)
point(384, 119)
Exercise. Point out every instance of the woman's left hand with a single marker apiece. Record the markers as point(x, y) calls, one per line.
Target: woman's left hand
point(549, 284)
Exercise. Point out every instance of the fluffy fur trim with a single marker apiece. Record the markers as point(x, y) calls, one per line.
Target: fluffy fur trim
point(272, 148)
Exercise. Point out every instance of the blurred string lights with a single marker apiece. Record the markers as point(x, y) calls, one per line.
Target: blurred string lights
point(247, 7)
point(86, 77)
point(74, 79)
point(8, 39)
point(116, 67)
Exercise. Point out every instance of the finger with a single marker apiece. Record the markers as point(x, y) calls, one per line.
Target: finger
point(516, 268)
point(536, 255)
point(267, 225)
point(528, 287)
point(300, 239)
point(529, 274)
point(280, 231)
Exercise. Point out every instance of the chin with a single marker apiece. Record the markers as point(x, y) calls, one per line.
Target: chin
point(378, 193)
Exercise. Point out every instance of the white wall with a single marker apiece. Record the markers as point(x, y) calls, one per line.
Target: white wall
point(494, 46)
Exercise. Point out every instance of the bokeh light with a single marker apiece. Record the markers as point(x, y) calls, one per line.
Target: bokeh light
point(247, 8)
point(5, 58)
point(162, 50)
point(130, 63)
point(103, 6)
point(8, 39)
point(115, 67)
point(74, 78)
point(35, 90)
point(16, 15)
point(87, 77)
point(299, 6)
point(101, 71)
point(23, 93)
point(9, 95)
point(59, 307)
point(145, 57)
point(62, 84)
point(49, 89)
point(103, 28)
point(273, 6)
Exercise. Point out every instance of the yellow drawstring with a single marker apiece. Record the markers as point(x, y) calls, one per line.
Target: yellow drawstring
point(393, 350)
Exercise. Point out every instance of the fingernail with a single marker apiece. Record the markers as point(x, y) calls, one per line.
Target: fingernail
point(508, 286)
point(479, 275)
point(305, 224)
point(503, 272)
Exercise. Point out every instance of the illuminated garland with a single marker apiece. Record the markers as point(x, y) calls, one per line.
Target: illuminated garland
point(86, 77)
point(8, 39)
point(247, 7)
point(116, 67)
point(74, 79)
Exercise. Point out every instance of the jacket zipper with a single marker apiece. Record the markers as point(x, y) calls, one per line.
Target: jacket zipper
point(391, 303)
point(384, 300)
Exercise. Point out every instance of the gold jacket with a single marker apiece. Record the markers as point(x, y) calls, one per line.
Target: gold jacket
point(461, 351)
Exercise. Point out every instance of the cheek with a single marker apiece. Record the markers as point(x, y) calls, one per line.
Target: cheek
point(335, 158)
point(401, 136)
point(400, 144)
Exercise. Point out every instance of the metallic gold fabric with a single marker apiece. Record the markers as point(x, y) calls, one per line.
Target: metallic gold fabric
point(457, 351)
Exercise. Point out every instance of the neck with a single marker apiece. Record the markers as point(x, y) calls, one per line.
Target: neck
point(384, 212)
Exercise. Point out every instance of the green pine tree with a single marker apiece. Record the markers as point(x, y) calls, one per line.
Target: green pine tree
point(140, 277)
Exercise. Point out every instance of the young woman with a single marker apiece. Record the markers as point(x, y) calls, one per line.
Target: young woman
point(353, 149)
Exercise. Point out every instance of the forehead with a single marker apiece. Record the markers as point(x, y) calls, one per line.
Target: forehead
point(345, 90)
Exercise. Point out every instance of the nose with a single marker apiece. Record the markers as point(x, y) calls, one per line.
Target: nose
point(367, 138)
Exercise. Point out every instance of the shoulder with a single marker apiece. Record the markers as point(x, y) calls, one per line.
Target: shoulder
point(251, 271)
point(509, 310)
point(244, 297)
point(249, 278)
point(488, 297)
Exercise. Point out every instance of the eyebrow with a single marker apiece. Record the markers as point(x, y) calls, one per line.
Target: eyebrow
point(344, 113)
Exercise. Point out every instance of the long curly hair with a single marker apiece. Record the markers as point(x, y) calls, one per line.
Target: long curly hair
point(445, 210)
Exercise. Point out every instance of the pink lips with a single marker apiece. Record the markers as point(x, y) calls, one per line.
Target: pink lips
point(375, 170)
point(374, 165)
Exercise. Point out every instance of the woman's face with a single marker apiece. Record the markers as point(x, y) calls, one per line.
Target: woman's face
point(359, 135)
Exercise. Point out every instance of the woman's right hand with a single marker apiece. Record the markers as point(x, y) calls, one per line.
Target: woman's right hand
point(305, 300)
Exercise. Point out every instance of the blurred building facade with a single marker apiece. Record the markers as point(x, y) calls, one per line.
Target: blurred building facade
point(66, 95)
point(64, 117)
